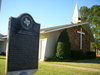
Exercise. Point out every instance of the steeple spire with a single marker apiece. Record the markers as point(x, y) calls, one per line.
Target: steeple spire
point(76, 15)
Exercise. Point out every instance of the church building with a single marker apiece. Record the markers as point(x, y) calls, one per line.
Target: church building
point(3, 40)
point(79, 36)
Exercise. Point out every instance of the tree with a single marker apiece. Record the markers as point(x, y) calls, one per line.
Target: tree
point(92, 15)
point(63, 46)
point(84, 11)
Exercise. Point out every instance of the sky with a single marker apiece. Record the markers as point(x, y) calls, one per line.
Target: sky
point(48, 13)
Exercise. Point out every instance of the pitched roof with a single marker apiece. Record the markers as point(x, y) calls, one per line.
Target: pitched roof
point(61, 27)
point(56, 28)
point(1, 35)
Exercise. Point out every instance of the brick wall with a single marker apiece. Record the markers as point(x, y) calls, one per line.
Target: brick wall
point(75, 39)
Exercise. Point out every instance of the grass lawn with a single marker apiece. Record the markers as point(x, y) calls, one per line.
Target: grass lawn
point(51, 70)
point(92, 63)
point(2, 65)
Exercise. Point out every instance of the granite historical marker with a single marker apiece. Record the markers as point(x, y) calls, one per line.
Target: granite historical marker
point(23, 45)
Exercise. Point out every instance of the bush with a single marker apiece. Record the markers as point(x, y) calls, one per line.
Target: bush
point(75, 55)
point(50, 59)
point(63, 46)
point(78, 54)
point(60, 60)
point(3, 53)
point(91, 55)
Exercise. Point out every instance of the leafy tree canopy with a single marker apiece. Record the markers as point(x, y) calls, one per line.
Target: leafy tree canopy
point(92, 15)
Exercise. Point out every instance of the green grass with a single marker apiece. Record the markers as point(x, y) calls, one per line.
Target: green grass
point(54, 70)
point(51, 70)
point(93, 63)
point(2, 65)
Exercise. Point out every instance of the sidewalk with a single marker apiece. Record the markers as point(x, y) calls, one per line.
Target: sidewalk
point(74, 67)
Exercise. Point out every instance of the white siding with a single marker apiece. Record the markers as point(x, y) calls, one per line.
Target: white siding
point(51, 44)
point(2, 46)
point(47, 44)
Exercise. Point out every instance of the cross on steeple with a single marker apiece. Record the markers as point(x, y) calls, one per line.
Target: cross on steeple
point(27, 22)
point(81, 33)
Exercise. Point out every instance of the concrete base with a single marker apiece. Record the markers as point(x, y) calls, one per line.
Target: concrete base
point(23, 72)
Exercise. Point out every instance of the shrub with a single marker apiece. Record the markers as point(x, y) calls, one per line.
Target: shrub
point(60, 60)
point(91, 55)
point(78, 54)
point(50, 59)
point(63, 46)
point(3, 53)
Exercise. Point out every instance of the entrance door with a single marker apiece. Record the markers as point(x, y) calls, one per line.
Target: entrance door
point(42, 49)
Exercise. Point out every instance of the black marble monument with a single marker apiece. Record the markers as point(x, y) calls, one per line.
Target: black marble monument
point(23, 43)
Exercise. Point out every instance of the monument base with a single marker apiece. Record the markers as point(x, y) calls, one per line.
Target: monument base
point(23, 72)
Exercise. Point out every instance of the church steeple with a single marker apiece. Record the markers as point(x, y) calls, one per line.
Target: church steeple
point(76, 15)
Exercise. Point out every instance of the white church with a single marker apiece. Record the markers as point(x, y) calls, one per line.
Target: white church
point(79, 35)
